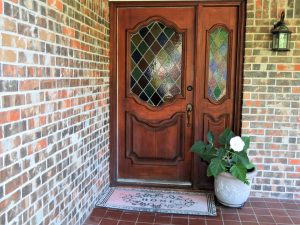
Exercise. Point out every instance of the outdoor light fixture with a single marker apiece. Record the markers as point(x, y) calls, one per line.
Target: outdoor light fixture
point(281, 35)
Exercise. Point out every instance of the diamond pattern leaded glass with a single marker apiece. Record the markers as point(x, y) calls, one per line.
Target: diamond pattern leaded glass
point(156, 59)
point(218, 52)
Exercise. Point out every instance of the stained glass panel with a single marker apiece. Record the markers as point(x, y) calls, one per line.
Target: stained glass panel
point(156, 61)
point(218, 69)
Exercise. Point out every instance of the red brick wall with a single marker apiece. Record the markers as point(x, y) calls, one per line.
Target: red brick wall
point(54, 82)
point(271, 107)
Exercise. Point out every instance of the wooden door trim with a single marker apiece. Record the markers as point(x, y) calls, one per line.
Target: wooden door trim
point(113, 7)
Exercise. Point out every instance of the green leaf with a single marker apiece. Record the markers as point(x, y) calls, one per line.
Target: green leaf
point(221, 152)
point(206, 152)
point(240, 172)
point(209, 153)
point(225, 137)
point(242, 158)
point(210, 138)
point(216, 167)
point(247, 143)
point(198, 147)
point(250, 166)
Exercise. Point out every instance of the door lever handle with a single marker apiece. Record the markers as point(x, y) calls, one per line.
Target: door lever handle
point(189, 109)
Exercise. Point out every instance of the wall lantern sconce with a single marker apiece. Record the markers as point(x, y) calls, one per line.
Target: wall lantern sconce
point(281, 35)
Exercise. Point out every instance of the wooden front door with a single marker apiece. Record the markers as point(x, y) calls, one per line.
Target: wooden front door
point(174, 78)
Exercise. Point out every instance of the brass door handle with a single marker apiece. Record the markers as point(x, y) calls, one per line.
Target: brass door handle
point(189, 108)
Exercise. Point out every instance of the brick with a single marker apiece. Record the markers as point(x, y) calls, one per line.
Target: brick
point(13, 41)
point(296, 90)
point(294, 161)
point(27, 85)
point(14, 128)
point(10, 143)
point(46, 36)
point(8, 55)
point(13, 100)
point(8, 25)
point(8, 85)
point(6, 203)
point(10, 116)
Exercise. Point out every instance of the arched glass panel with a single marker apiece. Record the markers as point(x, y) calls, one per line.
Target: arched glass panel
point(218, 66)
point(156, 63)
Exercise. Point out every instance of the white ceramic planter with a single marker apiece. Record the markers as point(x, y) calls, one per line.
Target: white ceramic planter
point(231, 191)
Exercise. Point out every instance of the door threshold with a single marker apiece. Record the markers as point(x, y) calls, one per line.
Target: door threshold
point(156, 183)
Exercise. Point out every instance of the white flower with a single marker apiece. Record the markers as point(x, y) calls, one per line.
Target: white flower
point(237, 144)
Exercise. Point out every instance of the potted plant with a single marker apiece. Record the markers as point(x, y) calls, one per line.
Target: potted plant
point(230, 165)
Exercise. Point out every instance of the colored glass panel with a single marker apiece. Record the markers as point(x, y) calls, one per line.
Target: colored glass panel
point(156, 63)
point(218, 66)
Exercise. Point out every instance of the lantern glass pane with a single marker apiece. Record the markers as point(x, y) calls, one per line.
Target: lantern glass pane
point(275, 41)
point(282, 41)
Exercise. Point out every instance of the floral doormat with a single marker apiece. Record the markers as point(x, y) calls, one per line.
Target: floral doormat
point(154, 200)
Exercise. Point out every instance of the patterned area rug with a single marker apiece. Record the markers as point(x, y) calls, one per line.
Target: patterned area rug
point(154, 200)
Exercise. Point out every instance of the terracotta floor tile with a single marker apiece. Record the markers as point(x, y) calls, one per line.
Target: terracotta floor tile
point(93, 220)
point(129, 216)
point(180, 221)
point(108, 222)
point(266, 223)
point(290, 206)
point(295, 213)
point(231, 223)
point(296, 220)
point(162, 219)
point(248, 217)
point(283, 220)
point(113, 214)
point(265, 219)
point(146, 218)
point(126, 223)
point(274, 205)
point(143, 223)
point(218, 217)
point(246, 210)
point(249, 223)
point(278, 212)
point(263, 212)
point(99, 212)
point(233, 217)
point(259, 205)
point(228, 210)
point(214, 222)
point(197, 222)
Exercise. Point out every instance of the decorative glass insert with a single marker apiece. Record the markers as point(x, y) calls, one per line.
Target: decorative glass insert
point(218, 69)
point(156, 61)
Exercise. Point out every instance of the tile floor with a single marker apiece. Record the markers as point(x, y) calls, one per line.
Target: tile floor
point(257, 211)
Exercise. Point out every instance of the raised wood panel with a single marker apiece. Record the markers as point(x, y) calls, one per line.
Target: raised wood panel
point(162, 142)
point(215, 125)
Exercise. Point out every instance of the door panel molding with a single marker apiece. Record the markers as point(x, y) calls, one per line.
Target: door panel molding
point(154, 136)
point(215, 124)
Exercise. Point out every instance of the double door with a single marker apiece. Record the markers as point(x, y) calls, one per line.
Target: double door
point(175, 75)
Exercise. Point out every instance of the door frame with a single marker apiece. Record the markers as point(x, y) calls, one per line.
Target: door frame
point(113, 7)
